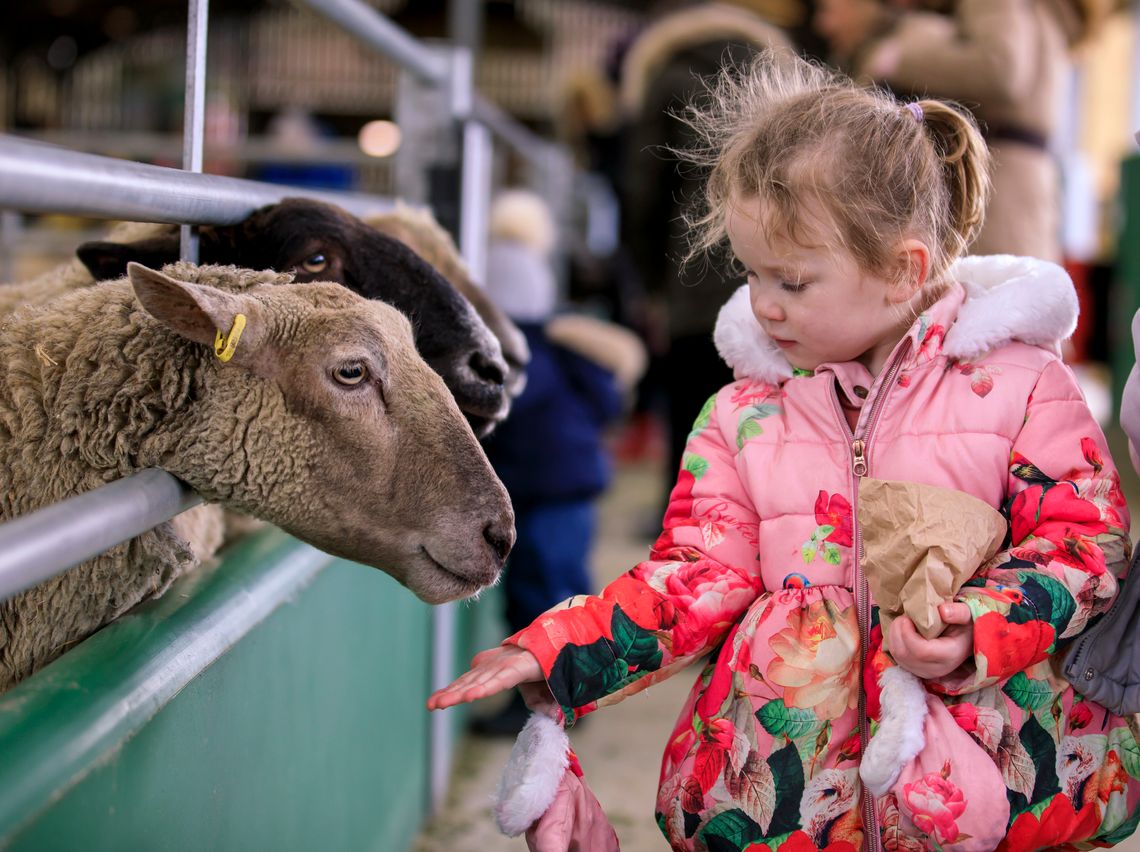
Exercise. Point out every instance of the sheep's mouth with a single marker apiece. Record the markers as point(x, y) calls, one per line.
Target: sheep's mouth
point(455, 585)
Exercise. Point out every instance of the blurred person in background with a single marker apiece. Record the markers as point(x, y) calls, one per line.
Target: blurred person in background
point(1007, 61)
point(662, 70)
point(549, 451)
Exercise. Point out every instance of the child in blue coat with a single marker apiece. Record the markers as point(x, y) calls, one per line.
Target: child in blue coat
point(549, 451)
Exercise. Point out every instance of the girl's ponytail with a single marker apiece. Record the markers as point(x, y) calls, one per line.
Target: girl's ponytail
point(965, 167)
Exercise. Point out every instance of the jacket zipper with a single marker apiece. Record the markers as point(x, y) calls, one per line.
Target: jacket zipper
point(860, 441)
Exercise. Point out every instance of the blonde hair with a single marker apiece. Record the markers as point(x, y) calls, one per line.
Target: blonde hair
point(787, 131)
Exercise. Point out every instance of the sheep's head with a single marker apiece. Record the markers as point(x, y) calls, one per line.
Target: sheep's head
point(326, 422)
point(419, 231)
point(319, 242)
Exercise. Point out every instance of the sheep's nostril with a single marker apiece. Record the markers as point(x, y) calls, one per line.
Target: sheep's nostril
point(487, 369)
point(500, 537)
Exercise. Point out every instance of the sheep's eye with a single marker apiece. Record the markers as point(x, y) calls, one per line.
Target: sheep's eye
point(350, 374)
point(316, 263)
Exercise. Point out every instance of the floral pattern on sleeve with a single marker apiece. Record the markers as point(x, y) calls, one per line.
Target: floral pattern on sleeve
point(701, 578)
point(1068, 543)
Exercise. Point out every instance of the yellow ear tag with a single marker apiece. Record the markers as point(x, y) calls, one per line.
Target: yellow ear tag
point(225, 348)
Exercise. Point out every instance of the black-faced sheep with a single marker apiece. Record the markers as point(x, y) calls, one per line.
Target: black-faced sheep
point(325, 422)
point(319, 242)
point(417, 229)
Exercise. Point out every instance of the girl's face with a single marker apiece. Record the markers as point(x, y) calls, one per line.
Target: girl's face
point(815, 302)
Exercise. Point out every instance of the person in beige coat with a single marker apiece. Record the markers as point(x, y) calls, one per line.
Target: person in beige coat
point(1007, 61)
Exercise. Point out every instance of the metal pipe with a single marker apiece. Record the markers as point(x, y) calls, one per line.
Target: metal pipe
point(150, 146)
point(475, 197)
point(47, 542)
point(11, 225)
point(373, 28)
point(440, 736)
point(194, 120)
point(465, 24)
point(40, 178)
point(526, 143)
point(443, 622)
point(363, 22)
point(1134, 105)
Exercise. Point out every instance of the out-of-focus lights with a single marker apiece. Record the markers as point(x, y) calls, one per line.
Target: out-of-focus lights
point(379, 138)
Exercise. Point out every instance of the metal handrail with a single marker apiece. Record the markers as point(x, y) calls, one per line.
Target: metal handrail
point(39, 178)
point(524, 141)
point(365, 23)
point(49, 541)
point(43, 178)
point(153, 146)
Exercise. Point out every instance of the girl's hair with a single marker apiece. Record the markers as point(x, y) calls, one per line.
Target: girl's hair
point(786, 131)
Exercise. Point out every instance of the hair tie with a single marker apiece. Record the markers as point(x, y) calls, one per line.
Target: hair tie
point(915, 110)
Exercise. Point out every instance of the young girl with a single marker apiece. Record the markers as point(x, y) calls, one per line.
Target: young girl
point(861, 351)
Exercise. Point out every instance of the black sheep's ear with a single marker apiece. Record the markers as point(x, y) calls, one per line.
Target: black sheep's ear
point(107, 261)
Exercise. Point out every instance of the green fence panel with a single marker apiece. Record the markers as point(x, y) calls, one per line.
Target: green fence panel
point(1126, 292)
point(308, 733)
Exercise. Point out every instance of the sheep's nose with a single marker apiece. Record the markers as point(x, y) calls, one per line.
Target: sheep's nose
point(488, 369)
point(501, 536)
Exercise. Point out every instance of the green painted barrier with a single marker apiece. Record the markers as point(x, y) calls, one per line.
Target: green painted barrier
point(274, 702)
point(1126, 291)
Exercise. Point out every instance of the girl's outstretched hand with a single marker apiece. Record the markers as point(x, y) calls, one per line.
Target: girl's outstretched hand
point(493, 671)
point(928, 658)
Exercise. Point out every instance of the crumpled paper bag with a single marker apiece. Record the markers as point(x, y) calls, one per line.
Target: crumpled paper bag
point(921, 543)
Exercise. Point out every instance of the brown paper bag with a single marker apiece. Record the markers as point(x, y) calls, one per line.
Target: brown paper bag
point(921, 543)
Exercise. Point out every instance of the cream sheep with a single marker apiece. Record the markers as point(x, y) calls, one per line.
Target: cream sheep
point(418, 229)
point(326, 422)
point(316, 241)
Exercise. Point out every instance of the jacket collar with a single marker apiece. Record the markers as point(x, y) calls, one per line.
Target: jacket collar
point(998, 298)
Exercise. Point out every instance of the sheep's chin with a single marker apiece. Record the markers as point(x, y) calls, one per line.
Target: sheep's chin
point(433, 583)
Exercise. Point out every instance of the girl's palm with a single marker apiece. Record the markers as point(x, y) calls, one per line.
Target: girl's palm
point(491, 671)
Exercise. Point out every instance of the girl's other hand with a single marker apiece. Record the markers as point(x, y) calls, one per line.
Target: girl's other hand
point(491, 671)
point(930, 658)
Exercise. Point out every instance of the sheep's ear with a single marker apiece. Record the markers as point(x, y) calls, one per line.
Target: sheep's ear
point(193, 311)
point(107, 261)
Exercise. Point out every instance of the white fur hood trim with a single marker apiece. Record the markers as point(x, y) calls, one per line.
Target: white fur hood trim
point(530, 779)
point(1007, 298)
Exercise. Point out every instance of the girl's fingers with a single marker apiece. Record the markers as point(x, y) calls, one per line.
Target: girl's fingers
point(464, 690)
point(935, 657)
point(492, 671)
point(955, 613)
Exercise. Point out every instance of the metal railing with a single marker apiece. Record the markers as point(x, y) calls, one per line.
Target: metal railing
point(40, 178)
point(37, 177)
point(39, 545)
point(480, 118)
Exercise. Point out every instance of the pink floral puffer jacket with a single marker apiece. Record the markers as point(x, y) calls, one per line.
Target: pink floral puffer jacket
point(758, 565)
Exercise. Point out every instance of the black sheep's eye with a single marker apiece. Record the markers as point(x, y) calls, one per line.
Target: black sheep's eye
point(315, 263)
point(350, 374)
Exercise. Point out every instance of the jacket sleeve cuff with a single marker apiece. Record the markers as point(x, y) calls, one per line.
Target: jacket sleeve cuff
point(1002, 647)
